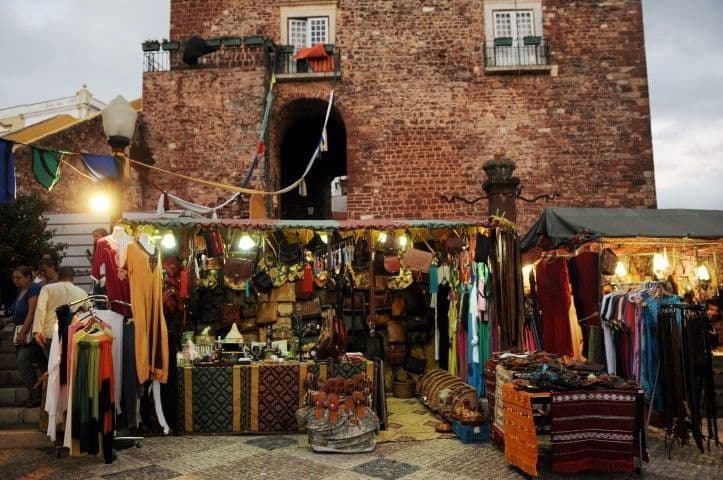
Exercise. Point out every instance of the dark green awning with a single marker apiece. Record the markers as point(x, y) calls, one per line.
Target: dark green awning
point(561, 225)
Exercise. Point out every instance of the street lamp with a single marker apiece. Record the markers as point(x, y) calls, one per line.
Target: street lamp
point(119, 124)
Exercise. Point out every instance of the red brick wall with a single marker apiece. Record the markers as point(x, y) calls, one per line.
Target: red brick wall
point(421, 114)
point(72, 194)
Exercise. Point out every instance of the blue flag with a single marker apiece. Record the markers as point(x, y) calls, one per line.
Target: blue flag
point(101, 166)
point(7, 172)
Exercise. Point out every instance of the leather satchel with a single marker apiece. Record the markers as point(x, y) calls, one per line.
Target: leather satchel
point(266, 313)
point(395, 332)
point(284, 293)
point(392, 264)
point(263, 282)
point(417, 260)
point(285, 309)
point(236, 271)
point(308, 308)
point(291, 253)
point(608, 261)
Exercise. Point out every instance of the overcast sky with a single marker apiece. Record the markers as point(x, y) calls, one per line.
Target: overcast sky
point(50, 48)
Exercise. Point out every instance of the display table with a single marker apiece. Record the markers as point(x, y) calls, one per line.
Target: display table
point(257, 398)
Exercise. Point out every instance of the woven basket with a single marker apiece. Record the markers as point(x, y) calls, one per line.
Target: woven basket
point(403, 386)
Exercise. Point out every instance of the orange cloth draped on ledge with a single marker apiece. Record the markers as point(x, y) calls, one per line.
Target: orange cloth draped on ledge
point(319, 60)
point(520, 435)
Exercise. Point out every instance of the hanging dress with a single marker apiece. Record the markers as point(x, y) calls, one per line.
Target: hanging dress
point(151, 333)
point(554, 294)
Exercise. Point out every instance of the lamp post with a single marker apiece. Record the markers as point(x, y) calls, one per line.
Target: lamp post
point(119, 124)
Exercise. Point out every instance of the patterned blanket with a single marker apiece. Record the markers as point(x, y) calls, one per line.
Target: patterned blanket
point(593, 430)
point(520, 435)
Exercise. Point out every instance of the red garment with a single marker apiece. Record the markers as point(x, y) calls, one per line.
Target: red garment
point(116, 284)
point(553, 294)
point(588, 286)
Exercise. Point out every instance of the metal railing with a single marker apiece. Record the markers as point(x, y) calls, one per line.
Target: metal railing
point(286, 63)
point(157, 61)
point(516, 56)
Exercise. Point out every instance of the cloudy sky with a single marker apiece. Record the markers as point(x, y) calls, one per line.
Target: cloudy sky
point(50, 47)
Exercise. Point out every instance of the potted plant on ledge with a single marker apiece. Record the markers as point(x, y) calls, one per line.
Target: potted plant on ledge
point(151, 45)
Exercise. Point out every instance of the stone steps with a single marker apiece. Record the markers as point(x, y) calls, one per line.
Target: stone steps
point(13, 396)
point(10, 378)
point(22, 436)
point(18, 415)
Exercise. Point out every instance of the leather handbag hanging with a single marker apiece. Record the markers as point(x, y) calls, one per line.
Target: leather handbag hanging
point(418, 260)
point(361, 254)
point(262, 281)
point(380, 320)
point(308, 308)
point(291, 253)
point(215, 243)
point(608, 261)
point(392, 264)
point(285, 293)
point(285, 309)
point(396, 352)
point(266, 313)
point(236, 272)
point(396, 332)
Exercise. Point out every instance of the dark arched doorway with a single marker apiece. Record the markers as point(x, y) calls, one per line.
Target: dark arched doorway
point(303, 123)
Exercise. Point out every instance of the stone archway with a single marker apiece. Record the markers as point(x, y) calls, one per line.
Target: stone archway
point(296, 138)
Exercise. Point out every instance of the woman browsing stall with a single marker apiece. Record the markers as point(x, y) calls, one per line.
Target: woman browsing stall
point(26, 350)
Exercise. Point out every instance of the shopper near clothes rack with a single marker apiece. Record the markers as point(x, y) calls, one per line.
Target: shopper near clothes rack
point(52, 296)
point(48, 268)
point(712, 311)
point(27, 352)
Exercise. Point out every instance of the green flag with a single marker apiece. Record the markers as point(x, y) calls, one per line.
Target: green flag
point(46, 166)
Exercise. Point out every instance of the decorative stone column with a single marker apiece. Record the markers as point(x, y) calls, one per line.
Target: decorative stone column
point(501, 187)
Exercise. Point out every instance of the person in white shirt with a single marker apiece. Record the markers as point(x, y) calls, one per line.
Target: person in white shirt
point(51, 297)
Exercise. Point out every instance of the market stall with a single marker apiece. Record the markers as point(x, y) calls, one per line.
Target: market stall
point(251, 307)
point(626, 289)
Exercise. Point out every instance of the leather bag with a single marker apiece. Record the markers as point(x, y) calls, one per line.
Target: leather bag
point(266, 313)
point(396, 352)
point(417, 260)
point(308, 308)
point(392, 264)
point(284, 293)
point(396, 332)
point(608, 261)
point(415, 365)
point(236, 272)
point(291, 253)
point(263, 282)
point(285, 309)
point(381, 320)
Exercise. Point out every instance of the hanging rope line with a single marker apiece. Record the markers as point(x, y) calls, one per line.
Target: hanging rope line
point(224, 186)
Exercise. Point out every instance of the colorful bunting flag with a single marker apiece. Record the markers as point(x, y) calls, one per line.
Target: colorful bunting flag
point(7, 172)
point(101, 166)
point(46, 166)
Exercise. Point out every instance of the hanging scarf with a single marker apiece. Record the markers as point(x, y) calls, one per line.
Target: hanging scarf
point(46, 167)
point(7, 172)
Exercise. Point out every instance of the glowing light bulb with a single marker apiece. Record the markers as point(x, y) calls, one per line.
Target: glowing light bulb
point(168, 241)
point(382, 237)
point(620, 269)
point(403, 241)
point(324, 237)
point(703, 273)
point(100, 202)
point(246, 242)
point(660, 262)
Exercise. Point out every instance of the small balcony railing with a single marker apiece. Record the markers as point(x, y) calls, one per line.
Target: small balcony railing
point(502, 55)
point(285, 63)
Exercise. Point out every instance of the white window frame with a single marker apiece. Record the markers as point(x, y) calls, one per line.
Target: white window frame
point(308, 25)
point(492, 6)
point(518, 53)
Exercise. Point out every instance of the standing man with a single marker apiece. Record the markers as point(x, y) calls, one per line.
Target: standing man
point(51, 297)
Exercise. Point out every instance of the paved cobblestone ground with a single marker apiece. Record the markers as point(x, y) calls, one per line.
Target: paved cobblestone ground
point(289, 457)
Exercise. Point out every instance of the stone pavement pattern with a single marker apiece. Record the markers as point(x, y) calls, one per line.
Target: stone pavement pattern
point(281, 457)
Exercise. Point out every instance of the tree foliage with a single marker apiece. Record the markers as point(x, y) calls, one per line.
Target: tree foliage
point(23, 235)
